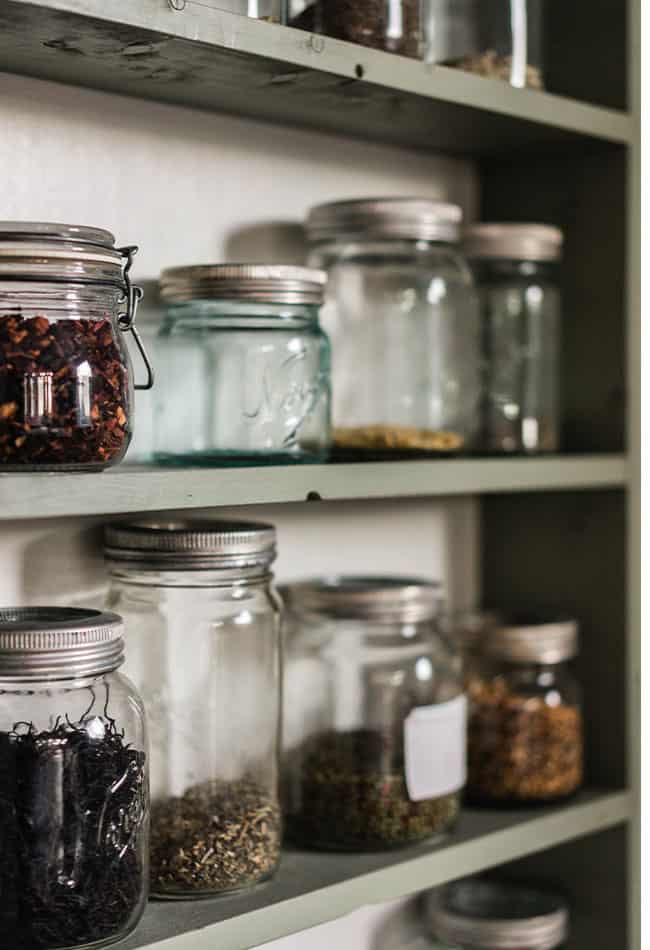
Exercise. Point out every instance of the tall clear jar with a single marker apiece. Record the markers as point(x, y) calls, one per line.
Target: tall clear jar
point(498, 39)
point(516, 269)
point(74, 793)
point(525, 732)
point(391, 25)
point(204, 648)
point(374, 726)
point(66, 381)
point(402, 315)
point(245, 366)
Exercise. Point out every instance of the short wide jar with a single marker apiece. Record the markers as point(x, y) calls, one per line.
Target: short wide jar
point(374, 725)
point(244, 366)
point(74, 790)
point(204, 648)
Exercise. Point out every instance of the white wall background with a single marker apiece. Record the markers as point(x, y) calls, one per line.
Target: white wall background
point(189, 187)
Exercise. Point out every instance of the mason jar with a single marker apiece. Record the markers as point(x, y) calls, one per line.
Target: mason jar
point(394, 26)
point(498, 39)
point(74, 793)
point(245, 365)
point(374, 725)
point(484, 914)
point(525, 732)
point(515, 266)
point(468, 631)
point(203, 623)
point(402, 315)
point(66, 382)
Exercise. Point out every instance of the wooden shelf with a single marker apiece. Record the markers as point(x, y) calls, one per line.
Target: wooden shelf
point(220, 61)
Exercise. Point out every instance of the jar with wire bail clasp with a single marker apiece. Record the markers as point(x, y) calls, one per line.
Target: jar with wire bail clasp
point(66, 386)
point(74, 790)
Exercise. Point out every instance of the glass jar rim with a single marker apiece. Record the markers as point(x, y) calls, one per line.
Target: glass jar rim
point(411, 218)
point(379, 599)
point(262, 283)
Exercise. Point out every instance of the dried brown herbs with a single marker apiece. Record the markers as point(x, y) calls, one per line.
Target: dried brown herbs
point(346, 790)
point(73, 820)
point(374, 23)
point(494, 66)
point(218, 836)
point(64, 394)
point(394, 438)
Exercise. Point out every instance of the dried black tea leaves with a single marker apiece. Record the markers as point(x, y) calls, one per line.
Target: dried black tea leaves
point(366, 22)
point(73, 823)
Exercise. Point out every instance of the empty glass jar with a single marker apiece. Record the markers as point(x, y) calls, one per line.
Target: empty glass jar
point(374, 726)
point(515, 266)
point(525, 733)
point(204, 648)
point(245, 366)
point(402, 315)
point(66, 382)
point(391, 25)
point(74, 793)
point(498, 39)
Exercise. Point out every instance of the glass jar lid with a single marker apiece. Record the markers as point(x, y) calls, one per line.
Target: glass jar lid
point(380, 599)
point(533, 639)
point(487, 915)
point(190, 545)
point(411, 219)
point(265, 283)
point(39, 643)
point(515, 242)
point(36, 250)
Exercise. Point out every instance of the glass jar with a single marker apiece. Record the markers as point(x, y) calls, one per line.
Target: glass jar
point(203, 622)
point(246, 366)
point(402, 315)
point(515, 267)
point(525, 733)
point(498, 39)
point(390, 25)
point(468, 631)
point(481, 914)
point(374, 737)
point(74, 794)
point(66, 385)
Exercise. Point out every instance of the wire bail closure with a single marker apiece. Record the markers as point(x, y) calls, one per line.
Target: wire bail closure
point(126, 321)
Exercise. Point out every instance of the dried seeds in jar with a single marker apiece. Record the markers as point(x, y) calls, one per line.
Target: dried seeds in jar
point(394, 27)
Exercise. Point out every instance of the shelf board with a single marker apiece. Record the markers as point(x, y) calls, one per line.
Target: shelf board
point(220, 61)
point(130, 488)
point(312, 888)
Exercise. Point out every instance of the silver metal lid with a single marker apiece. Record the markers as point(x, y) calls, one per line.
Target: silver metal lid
point(416, 219)
point(38, 643)
point(190, 544)
point(39, 250)
point(265, 283)
point(380, 599)
point(518, 242)
point(534, 639)
point(486, 915)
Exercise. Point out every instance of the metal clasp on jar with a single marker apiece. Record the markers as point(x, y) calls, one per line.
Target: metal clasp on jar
point(126, 321)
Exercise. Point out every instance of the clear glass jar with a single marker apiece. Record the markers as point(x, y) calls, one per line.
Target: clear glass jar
point(66, 386)
point(203, 623)
point(483, 914)
point(402, 315)
point(390, 25)
point(525, 732)
point(245, 365)
point(515, 266)
point(74, 793)
point(374, 726)
point(498, 39)
point(468, 631)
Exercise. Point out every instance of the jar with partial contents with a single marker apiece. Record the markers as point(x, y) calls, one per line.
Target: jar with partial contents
point(394, 26)
point(525, 732)
point(402, 315)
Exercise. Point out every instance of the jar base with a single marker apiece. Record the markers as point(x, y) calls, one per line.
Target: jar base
point(517, 804)
point(239, 459)
point(297, 841)
point(187, 895)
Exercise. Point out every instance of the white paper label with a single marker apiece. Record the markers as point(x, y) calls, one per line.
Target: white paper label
point(435, 749)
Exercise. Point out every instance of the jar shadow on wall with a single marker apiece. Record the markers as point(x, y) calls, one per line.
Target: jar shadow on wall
point(268, 242)
point(46, 575)
point(399, 930)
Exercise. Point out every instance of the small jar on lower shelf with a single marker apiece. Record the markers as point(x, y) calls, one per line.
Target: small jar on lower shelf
point(525, 732)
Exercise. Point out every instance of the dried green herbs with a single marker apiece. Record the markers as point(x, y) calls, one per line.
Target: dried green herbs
point(73, 822)
point(347, 790)
point(218, 836)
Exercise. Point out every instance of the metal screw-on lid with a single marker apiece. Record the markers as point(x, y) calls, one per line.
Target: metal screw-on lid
point(42, 250)
point(416, 219)
point(380, 599)
point(190, 544)
point(39, 643)
point(265, 283)
point(487, 915)
point(534, 639)
point(518, 242)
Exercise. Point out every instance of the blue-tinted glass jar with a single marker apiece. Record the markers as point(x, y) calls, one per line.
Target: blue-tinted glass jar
point(245, 366)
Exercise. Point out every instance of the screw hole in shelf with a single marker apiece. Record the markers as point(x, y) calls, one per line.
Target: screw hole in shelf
point(313, 496)
point(359, 71)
